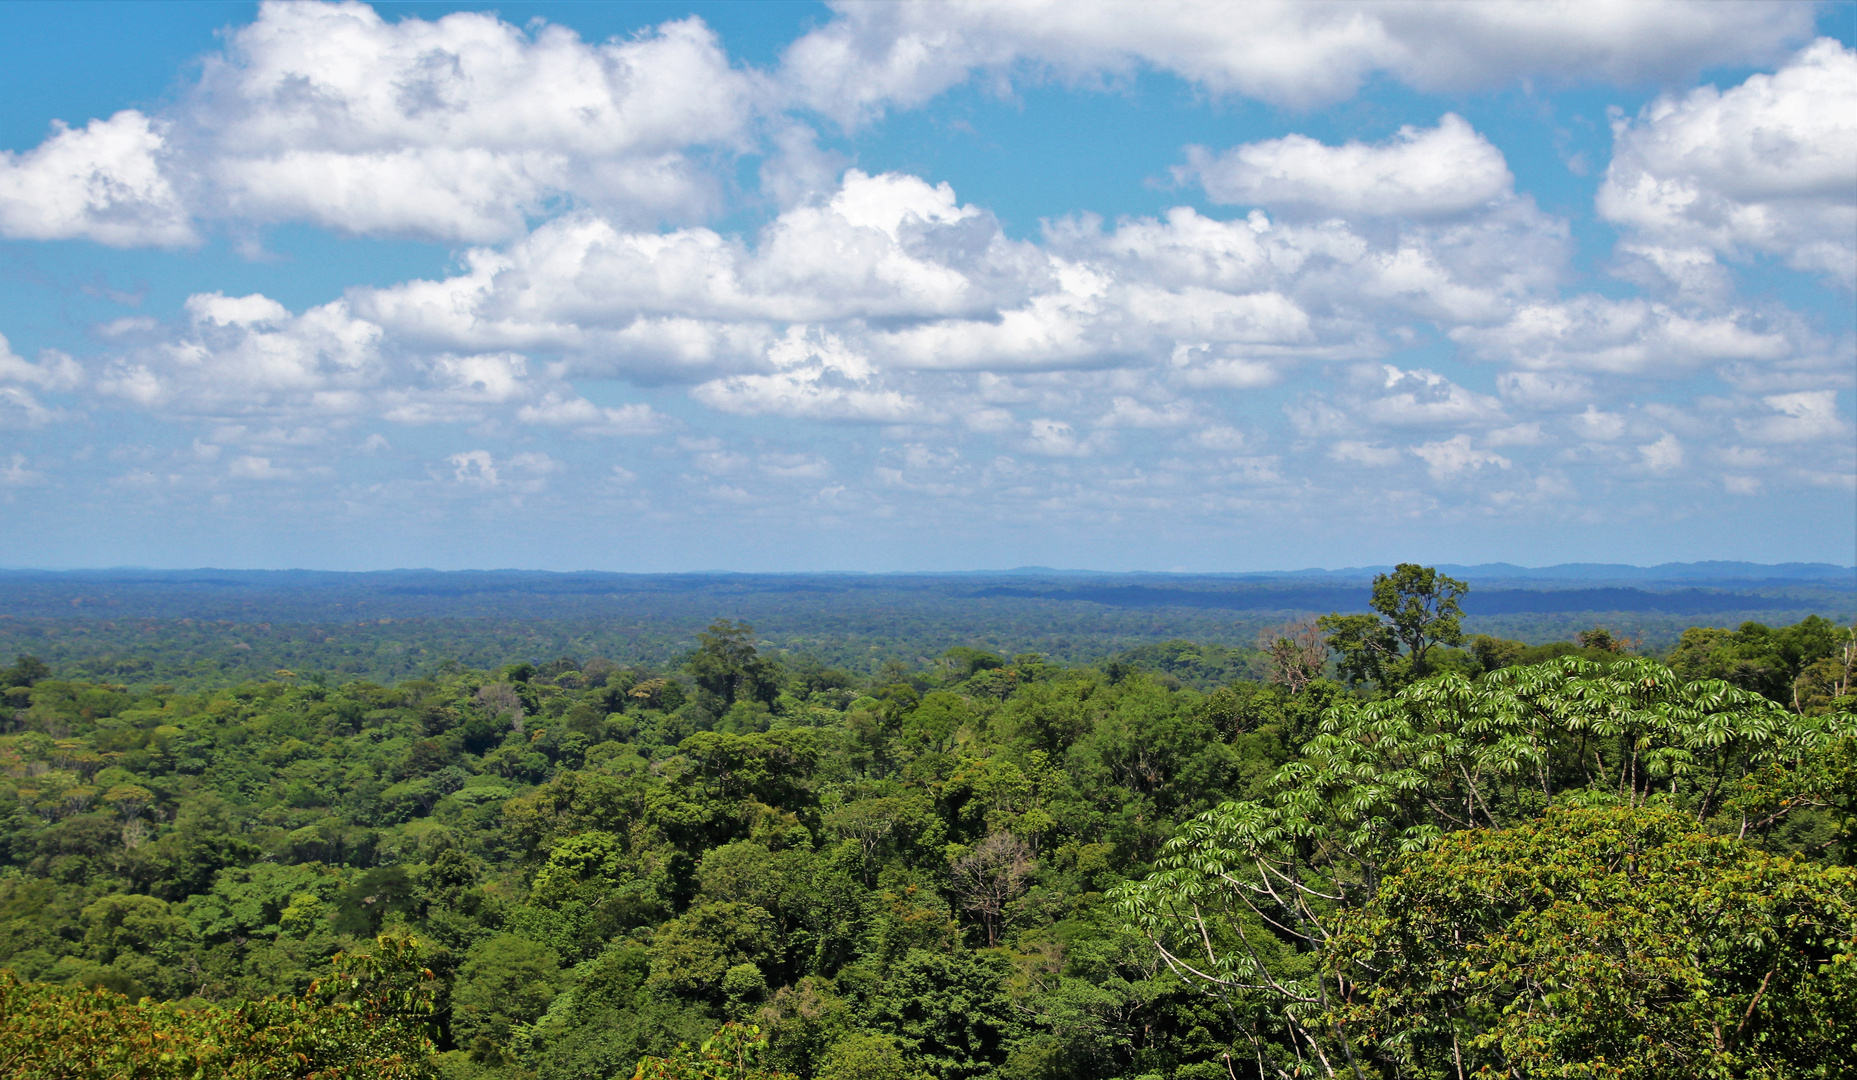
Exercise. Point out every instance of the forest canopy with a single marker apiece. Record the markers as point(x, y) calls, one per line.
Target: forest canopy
point(1440, 854)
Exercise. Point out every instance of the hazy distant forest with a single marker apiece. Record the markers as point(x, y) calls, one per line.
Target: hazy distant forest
point(1021, 828)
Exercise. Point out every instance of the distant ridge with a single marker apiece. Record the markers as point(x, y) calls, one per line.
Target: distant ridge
point(1672, 572)
point(1290, 597)
point(1710, 571)
point(1497, 589)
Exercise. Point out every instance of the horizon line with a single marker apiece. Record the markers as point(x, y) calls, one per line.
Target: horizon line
point(1021, 569)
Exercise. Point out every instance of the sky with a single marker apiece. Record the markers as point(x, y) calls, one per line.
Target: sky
point(926, 286)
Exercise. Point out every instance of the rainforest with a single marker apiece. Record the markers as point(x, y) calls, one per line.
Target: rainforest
point(1368, 844)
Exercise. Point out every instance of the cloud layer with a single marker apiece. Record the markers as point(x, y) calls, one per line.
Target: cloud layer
point(1394, 321)
point(876, 57)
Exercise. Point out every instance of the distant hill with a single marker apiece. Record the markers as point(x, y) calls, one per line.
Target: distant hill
point(1478, 602)
point(211, 626)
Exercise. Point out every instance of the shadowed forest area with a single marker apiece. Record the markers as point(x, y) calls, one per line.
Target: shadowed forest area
point(1382, 842)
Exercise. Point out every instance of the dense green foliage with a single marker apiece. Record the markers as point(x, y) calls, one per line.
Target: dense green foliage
point(369, 1019)
point(933, 872)
point(1616, 942)
point(1577, 868)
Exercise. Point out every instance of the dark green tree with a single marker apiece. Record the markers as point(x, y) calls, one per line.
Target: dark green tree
point(728, 665)
point(26, 671)
point(1620, 942)
point(1417, 609)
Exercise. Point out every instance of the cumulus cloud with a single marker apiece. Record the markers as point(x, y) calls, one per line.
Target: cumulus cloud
point(463, 128)
point(558, 409)
point(910, 278)
point(818, 377)
point(1420, 398)
point(467, 128)
point(882, 247)
point(55, 370)
point(1765, 167)
point(917, 280)
point(1363, 453)
point(1056, 438)
point(251, 356)
point(1443, 171)
point(20, 407)
point(1663, 456)
point(1627, 337)
point(253, 467)
point(459, 127)
point(1544, 389)
point(103, 182)
point(1597, 425)
point(250, 353)
point(873, 57)
point(1125, 411)
point(1807, 416)
point(522, 473)
point(1455, 456)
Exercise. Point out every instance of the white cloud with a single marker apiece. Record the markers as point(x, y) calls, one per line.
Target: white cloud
point(794, 466)
point(55, 370)
point(989, 420)
point(462, 128)
point(1442, 171)
point(1806, 416)
point(1634, 337)
point(1425, 398)
point(818, 377)
point(807, 393)
point(906, 278)
point(1599, 426)
point(883, 247)
point(1455, 456)
point(252, 467)
point(244, 353)
point(1056, 438)
point(1543, 389)
point(218, 309)
point(101, 182)
point(520, 473)
point(876, 56)
point(1663, 456)
point(251, 356)
point(15, 473)
point(1219, 437)
point(1195, 367)
point(1127, 412)
point(20, 408)
point(1529, 434)
point(1764, 167)
point(563, 410)
point(459, 127)
point(1362, 453)
point(474, 468)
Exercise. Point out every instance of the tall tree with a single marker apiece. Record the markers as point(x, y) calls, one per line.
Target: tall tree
point(1417, 609)
point(728, 665)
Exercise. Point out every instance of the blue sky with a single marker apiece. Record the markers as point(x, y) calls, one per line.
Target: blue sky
point(906, 286)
